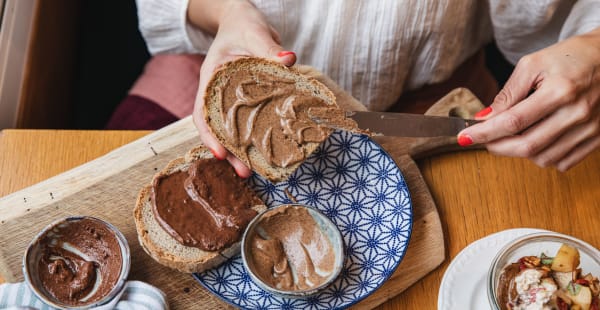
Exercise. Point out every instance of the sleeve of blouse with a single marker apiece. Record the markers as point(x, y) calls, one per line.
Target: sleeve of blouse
point(584, 17)
point(523, 27)
point(165, 28)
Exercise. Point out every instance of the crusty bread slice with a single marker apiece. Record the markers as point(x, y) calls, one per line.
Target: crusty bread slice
point(213, 116)
point(160, 245)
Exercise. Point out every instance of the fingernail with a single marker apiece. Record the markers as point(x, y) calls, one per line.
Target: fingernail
point(483, 112)
point(285, 53)
point(216, 155)
point(464, 140)
point(239, 175)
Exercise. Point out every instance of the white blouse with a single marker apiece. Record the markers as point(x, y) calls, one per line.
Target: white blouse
point(376, 49)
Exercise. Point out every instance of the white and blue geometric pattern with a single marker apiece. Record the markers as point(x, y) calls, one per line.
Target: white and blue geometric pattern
point(353, 181)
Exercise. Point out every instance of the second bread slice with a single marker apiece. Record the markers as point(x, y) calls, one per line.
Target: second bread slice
point(161, 246)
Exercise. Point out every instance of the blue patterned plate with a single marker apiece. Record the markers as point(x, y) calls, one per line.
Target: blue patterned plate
point(353, 181)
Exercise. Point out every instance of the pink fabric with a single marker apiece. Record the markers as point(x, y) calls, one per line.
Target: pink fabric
point(139, 113)
point(171, 81)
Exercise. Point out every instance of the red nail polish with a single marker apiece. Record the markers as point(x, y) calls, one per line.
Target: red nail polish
point(464, 140)
point(483, 112)
point(216, 155)
point(285, 53)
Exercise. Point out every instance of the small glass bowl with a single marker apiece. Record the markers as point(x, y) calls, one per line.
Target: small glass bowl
point(34, 251)
point(325, 225)
point(533, 245)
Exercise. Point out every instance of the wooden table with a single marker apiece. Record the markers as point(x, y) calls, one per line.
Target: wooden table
point(476, 193)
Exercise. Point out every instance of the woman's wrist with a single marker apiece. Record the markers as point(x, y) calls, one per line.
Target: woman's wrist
point(207, 14)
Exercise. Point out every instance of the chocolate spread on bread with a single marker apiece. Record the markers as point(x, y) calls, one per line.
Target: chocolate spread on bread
point(207, 206)
point(81, 262)
point(289, 251)
point(270, 114)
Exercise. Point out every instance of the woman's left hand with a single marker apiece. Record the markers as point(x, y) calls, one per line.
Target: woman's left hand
point(559, 123)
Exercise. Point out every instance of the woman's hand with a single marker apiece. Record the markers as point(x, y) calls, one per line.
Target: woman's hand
point(559, 123)
point(241, 30)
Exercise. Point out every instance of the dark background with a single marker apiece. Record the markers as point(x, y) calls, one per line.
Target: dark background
point(111, 55)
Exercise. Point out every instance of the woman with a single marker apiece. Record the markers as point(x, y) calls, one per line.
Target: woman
point(380, 51)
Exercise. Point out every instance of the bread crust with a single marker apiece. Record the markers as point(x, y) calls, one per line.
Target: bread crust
point(212, 110)
point(159, 244)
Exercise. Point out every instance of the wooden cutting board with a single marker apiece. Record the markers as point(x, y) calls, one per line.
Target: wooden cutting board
point(107, 188)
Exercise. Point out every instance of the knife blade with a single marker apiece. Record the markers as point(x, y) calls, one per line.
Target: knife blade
point(401, 124)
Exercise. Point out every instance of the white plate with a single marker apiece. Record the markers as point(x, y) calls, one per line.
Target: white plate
point(464, 285)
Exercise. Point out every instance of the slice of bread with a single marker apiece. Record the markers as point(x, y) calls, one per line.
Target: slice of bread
point(161, 246)
point(213, 116)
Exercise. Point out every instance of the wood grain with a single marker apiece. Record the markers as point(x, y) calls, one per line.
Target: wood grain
point(476, 193)
point(31, 156)
point(106, 187)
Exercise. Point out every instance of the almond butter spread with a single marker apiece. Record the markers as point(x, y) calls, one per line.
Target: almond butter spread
point(207, 206)
point(333, 117)
point(288, 250)
point(270, 114)
point(80, 263)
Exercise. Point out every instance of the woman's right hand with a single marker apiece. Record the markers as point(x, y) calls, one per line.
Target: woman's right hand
point(241, 30)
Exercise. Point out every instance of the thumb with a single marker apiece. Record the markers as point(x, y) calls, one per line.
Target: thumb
point(267, 45)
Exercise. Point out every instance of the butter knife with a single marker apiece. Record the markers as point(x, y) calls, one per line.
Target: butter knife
point(399, 124)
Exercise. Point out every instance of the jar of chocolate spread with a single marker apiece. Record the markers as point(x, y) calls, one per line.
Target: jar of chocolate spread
point(78, 263)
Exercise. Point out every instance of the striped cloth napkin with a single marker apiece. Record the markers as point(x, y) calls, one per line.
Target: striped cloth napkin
point(137, 295)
